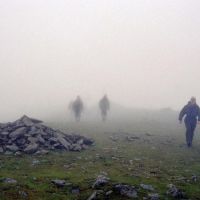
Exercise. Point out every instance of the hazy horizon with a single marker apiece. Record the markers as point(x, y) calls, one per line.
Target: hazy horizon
point(143, 54)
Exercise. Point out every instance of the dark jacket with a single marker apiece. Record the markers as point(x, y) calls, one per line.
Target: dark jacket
point(192, 112)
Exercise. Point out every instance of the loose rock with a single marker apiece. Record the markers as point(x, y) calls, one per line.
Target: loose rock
point(126, 190)
point(154, 196)
point(175, 192)
point(93, 196)
point(59, 183)
point(9, 181)
point(147, 187)
point(100, 181)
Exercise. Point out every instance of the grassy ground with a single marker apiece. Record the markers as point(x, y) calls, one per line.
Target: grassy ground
point(157, 157)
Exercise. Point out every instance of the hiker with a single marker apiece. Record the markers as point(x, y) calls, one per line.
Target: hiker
point(104, 106)
point(77, 108)
point(191, 111)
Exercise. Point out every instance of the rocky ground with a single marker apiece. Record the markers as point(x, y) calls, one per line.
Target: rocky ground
point(128, 161)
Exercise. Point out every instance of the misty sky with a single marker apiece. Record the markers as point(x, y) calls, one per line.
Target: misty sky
point(142, 53)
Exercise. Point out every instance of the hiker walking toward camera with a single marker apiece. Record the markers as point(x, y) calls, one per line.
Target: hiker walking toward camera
point(191, 111)
point(104, 106)
point(77, 108)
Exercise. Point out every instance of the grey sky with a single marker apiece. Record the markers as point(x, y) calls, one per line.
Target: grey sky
point(142, 53)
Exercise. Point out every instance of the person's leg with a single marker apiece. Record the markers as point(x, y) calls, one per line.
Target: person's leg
point(188, 133)
point(193, 127)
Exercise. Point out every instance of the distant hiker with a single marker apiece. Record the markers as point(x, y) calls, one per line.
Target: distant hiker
point(104, 106)
point(77, 108)
point(191, 111)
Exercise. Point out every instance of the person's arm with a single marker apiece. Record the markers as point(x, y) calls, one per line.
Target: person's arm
point(198, 115)
point(182, 113)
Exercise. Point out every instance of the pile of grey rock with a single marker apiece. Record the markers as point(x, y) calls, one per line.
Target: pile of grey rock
point(30, 136)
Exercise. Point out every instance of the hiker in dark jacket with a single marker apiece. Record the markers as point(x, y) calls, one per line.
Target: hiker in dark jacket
point(77, 108)
point(104, 106)
point(191, 111)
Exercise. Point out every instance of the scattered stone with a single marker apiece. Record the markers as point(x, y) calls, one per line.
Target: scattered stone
point(147, 187)
point(194, 178)
point(109, 192)
point(126, 190)
point(35, 162)
point(66, 166)
point(132, 138)
point(100, 181)
point(148, 134)
point(75, 190)
point(23, 194)
point(18, 153)
point(30, 136)
point(104, 173)
point(93, 196)
point(42, 152)
point(59, 183)
point(114, 138)
point(175, 192)
point(9, 181)
point(34, 178)
point(137, 159)
point(153, 196)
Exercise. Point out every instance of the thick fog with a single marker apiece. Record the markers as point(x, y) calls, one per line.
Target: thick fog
point(141, 53)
